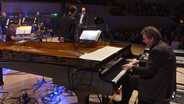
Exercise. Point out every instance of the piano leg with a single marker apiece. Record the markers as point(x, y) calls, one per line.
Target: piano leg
point(82, 97)
point(1, 77)
point(105, 99)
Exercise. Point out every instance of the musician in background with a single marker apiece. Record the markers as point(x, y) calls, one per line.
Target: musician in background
point(68, 26)
point(47, 28)
point(4, 25)
point(10, 36)
point(154, 79)
point(83, 20)
point(20, 17)
point(37, 21)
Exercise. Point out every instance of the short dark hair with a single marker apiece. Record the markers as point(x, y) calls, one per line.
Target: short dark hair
point(152, 31)
point(72, 9)
point(13, 26)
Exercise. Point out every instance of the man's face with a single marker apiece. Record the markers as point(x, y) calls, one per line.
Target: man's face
point(4, 14)
point(37, 13)
point(148, 41)
point(83, 10)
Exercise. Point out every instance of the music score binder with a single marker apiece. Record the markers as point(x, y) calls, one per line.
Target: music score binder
point(24, 30)
point(91, 35)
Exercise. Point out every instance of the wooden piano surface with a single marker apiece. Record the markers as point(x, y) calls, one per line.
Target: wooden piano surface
point(71, 50)
point(60, 61)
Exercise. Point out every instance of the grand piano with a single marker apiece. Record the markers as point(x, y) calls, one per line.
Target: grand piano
point(69, 65)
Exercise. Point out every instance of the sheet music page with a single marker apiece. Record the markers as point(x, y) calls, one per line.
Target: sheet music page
point(100, 54)
point(24, 30)
point(90, 35)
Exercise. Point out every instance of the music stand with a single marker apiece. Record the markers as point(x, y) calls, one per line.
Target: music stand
point(28, 20)
point(90, 35)
point(13, 21)
point(22, 30)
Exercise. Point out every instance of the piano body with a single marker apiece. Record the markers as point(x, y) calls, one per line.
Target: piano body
point(62, 63)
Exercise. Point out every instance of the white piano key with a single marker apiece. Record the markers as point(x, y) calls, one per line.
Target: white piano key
point(119, 76)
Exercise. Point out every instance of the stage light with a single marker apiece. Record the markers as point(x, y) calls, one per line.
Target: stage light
point(5, 69)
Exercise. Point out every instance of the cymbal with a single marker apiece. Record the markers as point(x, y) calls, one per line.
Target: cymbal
point(38, 32)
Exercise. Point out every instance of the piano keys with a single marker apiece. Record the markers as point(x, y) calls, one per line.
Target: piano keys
point(62, 63)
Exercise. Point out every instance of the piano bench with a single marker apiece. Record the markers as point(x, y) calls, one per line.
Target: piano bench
point(154, 101)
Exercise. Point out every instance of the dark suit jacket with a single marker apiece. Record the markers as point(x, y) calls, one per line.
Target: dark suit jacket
point(68, 27)
point(38, 19)
point(158, 76)
point(3, 22)
point(84, 19)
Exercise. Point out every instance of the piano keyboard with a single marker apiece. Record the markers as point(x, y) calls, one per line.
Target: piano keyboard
point(120, 75)
point(106, 69)
point(114, 73)
point(115, 80)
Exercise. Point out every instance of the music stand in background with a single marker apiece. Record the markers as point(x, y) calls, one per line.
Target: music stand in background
point(13, 21)
point(90, 35)
point(22, 30)
point(28, 20)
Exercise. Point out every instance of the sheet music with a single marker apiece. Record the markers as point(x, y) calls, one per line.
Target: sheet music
point(90, 35)
point(24, 30)
point(100, 54)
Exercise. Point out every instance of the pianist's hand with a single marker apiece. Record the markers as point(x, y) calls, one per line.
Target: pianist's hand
point(132, 61)
point(126, 66)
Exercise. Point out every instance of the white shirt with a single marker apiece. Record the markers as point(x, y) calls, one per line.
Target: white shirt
point(82, 15)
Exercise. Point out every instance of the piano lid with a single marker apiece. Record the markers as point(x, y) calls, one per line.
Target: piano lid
point(69, 52)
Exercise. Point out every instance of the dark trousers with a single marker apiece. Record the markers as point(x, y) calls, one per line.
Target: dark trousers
point(1, 77)
point(129, 84)
point(80, 30)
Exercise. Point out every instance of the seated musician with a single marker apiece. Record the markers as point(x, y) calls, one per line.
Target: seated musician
point(11, 33)
point(155, 79)
point(47, 28)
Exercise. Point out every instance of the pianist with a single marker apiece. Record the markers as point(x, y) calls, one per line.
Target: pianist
point(154, 79)
point(11, 33)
